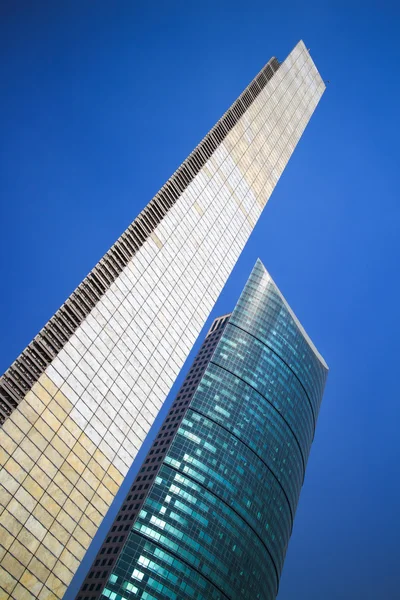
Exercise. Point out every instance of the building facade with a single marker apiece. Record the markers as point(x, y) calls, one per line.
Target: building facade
point(216, 517)
point(78, 402)
point(105, 560)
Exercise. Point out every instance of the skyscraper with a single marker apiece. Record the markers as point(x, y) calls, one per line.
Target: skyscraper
point(78, 402)
point(215, 518)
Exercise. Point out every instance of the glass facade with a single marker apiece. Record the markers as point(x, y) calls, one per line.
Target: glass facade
point(217, 520)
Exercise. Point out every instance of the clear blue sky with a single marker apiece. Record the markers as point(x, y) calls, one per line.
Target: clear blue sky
point(101, 101)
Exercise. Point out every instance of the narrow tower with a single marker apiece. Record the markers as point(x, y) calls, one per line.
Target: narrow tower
point(78, 402)
point(217, 514)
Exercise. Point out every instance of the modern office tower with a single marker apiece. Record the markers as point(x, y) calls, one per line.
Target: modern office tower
point(78, 402)
point(215, 518)
point(104, 562)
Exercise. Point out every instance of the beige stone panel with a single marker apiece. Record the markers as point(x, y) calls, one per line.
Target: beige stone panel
point(73, 510)
point(99, 504)
point(90, 479)
point(110, 485)
point(88, 526)
point(10, 523)
point(12, 565)
point(5, 498)
point(115, 474)
point(56, 410)
point(69, 472)
point(80, 451)
point(19, 420)
point(30, 449)
point(45, 556)
point(82, 537)
point(85, 489)
point(60, 532)
point(6, 442)
point(43, 516)
point(34, 402)
point(77, 550)
point(44, 429)
point(51, 420)
point(56, 585)
point(40, 477)
point(72, 427)
point(63, 401)
point(94, 466)
point(28, 540)
point(75, 463)
point(31, 582)
point(15, 469)
point(31, 589)
point(8, 482)
point(52, 544)
point(63, 483)
point(79, 500)
point(40, 570)
point(45, 382)
point(6, 538)
point(47, 466)
point(14, 432)
point(18, 511)
point(105, 495)
point(93, 514)
point(69, 560)
point(22, 554)
point(4, 456)
point(2, 552)
point(62, 448)
point(46, 594)
point(102, 459)
point(21, 593)
point(156, 240)
point(36, 438)
point(63, 573)
point(53, 455)
point(55, 492)
point(49, 504)
point(27, 415)
point(33, 488)
point(66, 521)
point(3, 594)
point(8, 582)
point(36, 528)
point(87, 443)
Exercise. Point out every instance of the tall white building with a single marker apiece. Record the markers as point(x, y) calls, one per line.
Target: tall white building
point(78, 402)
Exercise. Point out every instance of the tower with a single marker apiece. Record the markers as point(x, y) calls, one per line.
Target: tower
point(221, 491)
point(78, 402)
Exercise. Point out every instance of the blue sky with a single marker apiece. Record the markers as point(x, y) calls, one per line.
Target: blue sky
point(102, 101)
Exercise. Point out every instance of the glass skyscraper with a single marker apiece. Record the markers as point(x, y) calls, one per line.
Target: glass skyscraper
point(76, 405)
point(215, 518)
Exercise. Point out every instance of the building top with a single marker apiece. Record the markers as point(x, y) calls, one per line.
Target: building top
point(295, 319)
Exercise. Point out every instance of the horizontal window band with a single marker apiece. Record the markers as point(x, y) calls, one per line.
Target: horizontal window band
point(287, 365)
point(272, 406)
point(183, 474)
point(205, 416)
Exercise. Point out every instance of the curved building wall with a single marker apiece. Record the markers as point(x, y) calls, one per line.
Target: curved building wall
point(217, 521)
